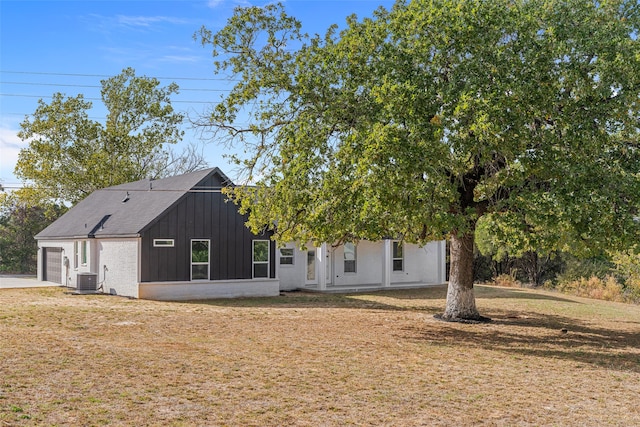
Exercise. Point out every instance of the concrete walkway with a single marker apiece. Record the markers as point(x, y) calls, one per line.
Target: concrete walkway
point(21, 281)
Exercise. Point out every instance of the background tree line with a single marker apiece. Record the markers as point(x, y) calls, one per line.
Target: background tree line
point(611, 275)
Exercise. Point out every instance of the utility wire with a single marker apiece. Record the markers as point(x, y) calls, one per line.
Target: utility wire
point(47, 84)
point(99, 87)
point(98, 99)
point(108, 76)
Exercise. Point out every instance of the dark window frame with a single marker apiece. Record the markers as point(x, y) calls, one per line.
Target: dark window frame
point(397, 260)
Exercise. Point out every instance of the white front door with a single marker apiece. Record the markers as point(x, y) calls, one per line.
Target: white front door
point(312, 267)
point(311, 273)
point(329, 263)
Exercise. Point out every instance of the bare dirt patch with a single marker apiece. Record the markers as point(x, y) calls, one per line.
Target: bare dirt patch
point(308, 360)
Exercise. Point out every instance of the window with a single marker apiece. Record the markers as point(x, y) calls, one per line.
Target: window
point(286, 256)
point(163, 243)
point(349, 257)
point(398, 256)
point(83, 253)
point(199, 260)
point(76, 254)
point(260, 258)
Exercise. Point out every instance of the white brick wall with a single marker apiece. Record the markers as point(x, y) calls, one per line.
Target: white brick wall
point(184, 291)
point(115, 261)
point(292, 276)
point(118, 266)
point(422, 264)
point(368, 265)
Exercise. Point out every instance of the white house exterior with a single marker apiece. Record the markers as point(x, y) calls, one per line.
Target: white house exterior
point(114, 262)
point(176, 239)
point(372, 265)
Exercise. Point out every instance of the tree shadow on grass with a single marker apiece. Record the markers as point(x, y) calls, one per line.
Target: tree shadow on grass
point(523, 333)
point(547, 336)
point(370, 300)
point(301, 300)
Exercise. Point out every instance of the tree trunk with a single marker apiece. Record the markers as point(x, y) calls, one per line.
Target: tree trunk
point(461, 301)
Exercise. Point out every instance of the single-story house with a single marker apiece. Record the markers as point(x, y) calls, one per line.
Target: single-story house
point(178, 239)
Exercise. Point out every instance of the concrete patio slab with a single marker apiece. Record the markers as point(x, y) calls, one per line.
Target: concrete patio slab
point(22, 281)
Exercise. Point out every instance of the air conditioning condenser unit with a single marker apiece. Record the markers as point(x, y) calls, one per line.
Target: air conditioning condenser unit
point(87, 282)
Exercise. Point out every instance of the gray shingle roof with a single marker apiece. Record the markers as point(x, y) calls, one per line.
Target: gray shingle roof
point(125, 210)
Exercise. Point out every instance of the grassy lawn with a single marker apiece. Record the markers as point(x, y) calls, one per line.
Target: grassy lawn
point(317, 360)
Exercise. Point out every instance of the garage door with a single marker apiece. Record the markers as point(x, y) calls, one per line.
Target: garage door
point(52, 265)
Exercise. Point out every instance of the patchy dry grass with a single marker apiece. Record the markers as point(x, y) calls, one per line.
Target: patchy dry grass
point(317, 360)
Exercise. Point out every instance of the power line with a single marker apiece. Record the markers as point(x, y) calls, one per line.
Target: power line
point(108, 76)
point(5, 113)
point(99, 99)
point(99, 87)
point(48, 84)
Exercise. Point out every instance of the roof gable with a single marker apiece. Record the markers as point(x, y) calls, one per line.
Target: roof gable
point(125, 210)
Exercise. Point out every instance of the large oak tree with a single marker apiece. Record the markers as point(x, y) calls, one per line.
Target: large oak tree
point(421, 120)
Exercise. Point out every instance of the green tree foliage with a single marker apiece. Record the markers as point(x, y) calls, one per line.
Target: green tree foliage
point(429, 116)
point(628, 268)
point(22, 216)
point(70, 155)
point(498, 255)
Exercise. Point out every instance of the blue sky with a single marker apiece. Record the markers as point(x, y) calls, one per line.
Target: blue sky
point(69, 46)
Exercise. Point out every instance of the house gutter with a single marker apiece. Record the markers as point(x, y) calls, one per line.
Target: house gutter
point(88, 236)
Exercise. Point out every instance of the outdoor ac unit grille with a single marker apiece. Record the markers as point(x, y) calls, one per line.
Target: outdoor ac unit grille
point(87, 281)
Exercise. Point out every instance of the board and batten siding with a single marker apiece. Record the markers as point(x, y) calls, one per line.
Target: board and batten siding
point(201, 215)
